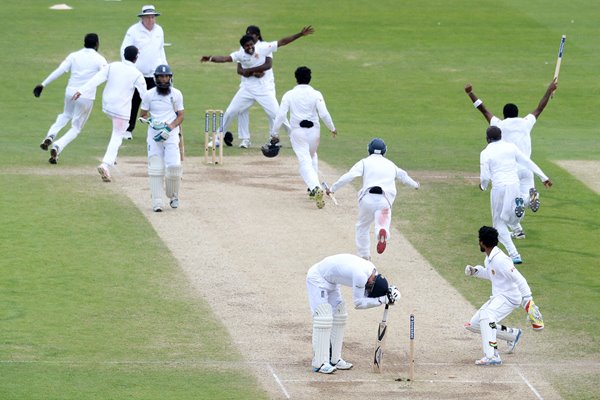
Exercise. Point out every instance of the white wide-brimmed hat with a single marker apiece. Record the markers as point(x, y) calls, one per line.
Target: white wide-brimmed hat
point(148, 10)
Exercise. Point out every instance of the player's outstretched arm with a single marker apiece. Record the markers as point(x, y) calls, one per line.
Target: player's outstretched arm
point(216, 59)
point(544, 101)
point(307, 30)
point(478, 103)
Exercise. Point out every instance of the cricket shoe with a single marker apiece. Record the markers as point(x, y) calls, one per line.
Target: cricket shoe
point(127, 135)
point(534, 200)
point(104, 173)
point(517, 234)
point(46, 143)
point(489, 361)
point(381, 241)
point(317, 193)
point(342, 365)
point(53, 155)
point(513, 343)
point(534, 315)
point(519, 207)
point(244, 144)
point(174, 203)
point(325, 369)
point(157, 209)
point(517, 260)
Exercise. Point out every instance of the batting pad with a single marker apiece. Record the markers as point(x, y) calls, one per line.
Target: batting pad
point(156, 173)
point(322, 321)
point(173, 180)
point(340, 316)
point(500, 333)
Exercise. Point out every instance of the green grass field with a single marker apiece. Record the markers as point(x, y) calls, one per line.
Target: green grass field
point(93, 304)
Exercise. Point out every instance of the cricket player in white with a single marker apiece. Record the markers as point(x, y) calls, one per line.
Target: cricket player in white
point(164, 105)
point(254, 31)
point(518, 131)
point(82, 65)
point(323, 282)
point(506, 296)
point(306, 106)
point(499, 163)
point(376, 196)
point(121, 78)
point(149, 38)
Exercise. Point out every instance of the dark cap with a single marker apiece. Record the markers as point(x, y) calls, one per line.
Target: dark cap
point(380, 287)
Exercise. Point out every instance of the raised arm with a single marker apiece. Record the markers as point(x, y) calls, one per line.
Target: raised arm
point(544, 101)
point(478, 103)
point(216, 59)
point(307, 30)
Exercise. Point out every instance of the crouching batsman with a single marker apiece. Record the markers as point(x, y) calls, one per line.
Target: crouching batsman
point(323, 281)
point(509, 291)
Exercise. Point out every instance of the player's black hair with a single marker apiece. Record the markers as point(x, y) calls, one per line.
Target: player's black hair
point(303, 75)
point(130, 53)
point(254, 30)
point(245, 39)
point(488, 236)
point(91, 41)
point(493, 134)
point(510, 110)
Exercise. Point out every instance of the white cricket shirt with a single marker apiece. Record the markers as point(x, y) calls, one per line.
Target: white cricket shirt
point(151, 46)
point(83, 65)
point(517, 131)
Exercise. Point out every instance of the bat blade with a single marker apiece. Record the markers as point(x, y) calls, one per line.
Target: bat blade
point(381, 336)
point(560, 55)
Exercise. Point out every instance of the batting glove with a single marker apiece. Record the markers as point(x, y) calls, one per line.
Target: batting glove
point(470, 270)
point(37, 91)
point(393, 294)
point(162, 135)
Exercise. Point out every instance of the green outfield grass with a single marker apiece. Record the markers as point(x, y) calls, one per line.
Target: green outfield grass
point(86, 307)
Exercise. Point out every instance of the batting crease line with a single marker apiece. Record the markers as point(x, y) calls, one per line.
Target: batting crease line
point(285, 392)
point(537, 394)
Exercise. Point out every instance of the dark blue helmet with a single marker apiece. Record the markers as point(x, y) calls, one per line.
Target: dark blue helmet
point(163, 69)
point(377, 146)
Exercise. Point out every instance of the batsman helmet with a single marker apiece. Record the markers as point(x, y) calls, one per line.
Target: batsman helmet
point(378, 288)
point(377, 146)
point(163, 69)
point(270, 150)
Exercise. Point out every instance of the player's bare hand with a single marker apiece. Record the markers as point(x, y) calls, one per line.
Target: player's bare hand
point(470, 270)
point(334, 133)
point(553, 85)
point(307, 30)
point(548, 183)
point(258, 74)
point(468, 88)
point(205, 59)
point(76, 96)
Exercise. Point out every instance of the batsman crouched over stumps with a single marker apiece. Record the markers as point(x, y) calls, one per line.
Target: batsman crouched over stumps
point(323, 282)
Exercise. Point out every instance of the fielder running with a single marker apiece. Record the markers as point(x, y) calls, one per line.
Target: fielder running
point(499, 163)
point(121, 78)
point(82, 65)
point(376, 196)
point(305, 105)
point(518, 131)
point(323, 282)
point(164, 104)
point(507, 288)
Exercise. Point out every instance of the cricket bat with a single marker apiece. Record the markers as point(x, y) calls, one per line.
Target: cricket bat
point(381, 335)
point(331, 196)
point(181, 143)
point(559, 59)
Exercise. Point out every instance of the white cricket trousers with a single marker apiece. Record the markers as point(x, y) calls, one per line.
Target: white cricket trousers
point(320, 291)
point(502, 200)
point(243, 100)
point(305, 142)
point(167, 150)
point(76, 111)
point(372, 208)
point(491, 312)
point(116, 139)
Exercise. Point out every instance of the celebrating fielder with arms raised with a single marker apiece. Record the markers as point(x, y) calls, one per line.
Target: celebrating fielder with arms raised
point(323, 282)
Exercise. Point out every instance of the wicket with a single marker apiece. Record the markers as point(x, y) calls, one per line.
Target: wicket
point(216, 137)
point(411, 357)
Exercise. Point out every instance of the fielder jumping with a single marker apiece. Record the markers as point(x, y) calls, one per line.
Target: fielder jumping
point(323, 282)
point(162, 107)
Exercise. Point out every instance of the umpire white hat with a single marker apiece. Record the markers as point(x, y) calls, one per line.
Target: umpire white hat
point(148, 10)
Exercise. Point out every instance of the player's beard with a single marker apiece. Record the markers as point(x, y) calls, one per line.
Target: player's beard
point(163, 91)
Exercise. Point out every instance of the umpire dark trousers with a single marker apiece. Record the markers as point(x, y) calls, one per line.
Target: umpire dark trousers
point(136, 100)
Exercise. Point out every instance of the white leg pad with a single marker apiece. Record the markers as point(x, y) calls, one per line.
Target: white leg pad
point(504, 333)
point(173, 180)
point(322, 322)
point(156, 174)
point(340, 315)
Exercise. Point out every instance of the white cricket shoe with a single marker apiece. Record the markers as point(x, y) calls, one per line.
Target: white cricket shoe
point(512, 344)
point(245, 144)
point(174, 203)
point(325, 369)
point(534, 200)
point(104, 173)
point(343, 365)
point(489, 361)
point(517, 234)
point(127, 135)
